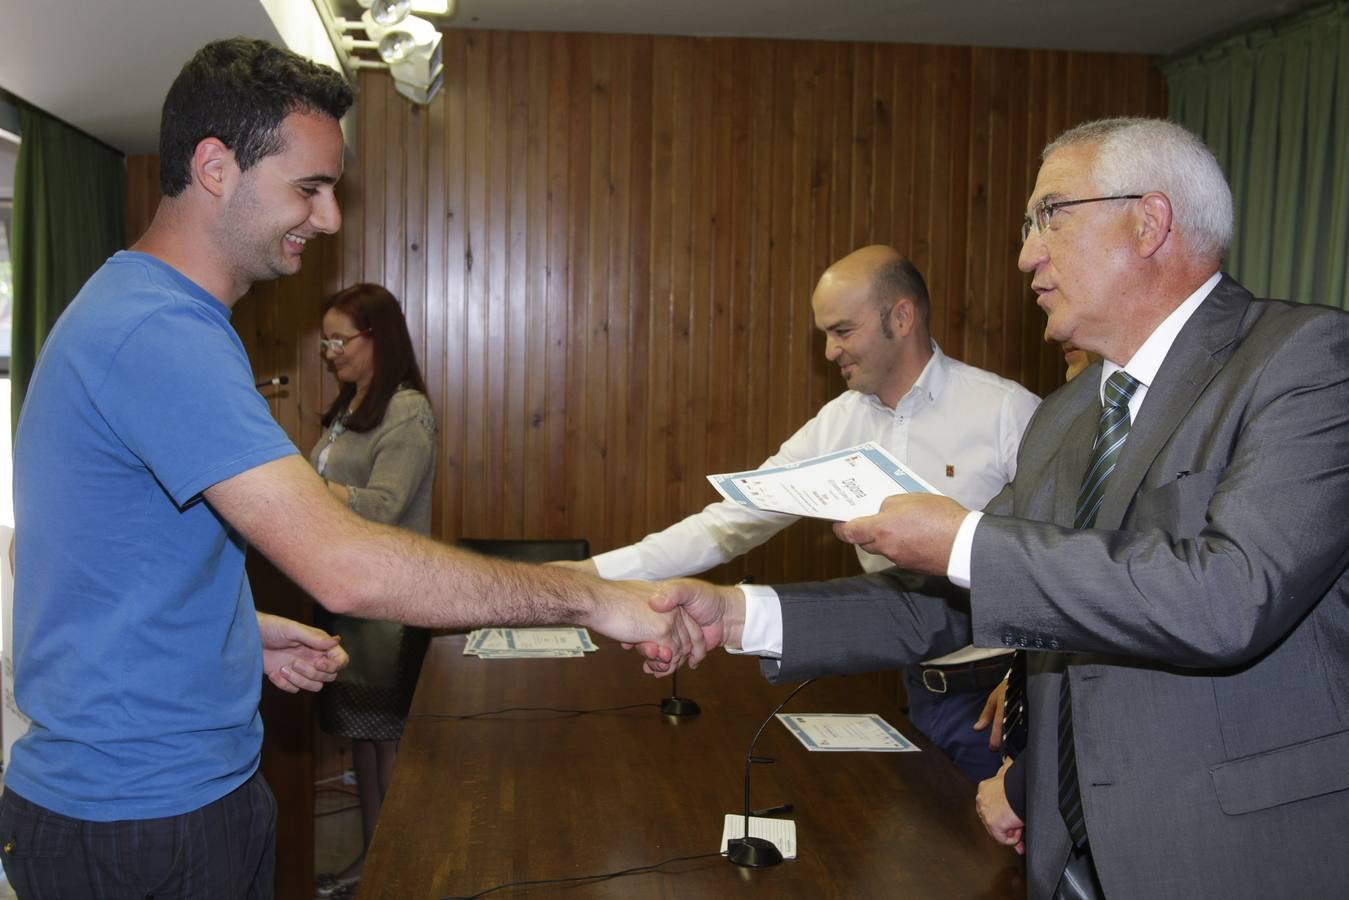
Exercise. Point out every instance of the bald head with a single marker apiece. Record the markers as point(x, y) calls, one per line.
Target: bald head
point(872, 306)
point(883, 273)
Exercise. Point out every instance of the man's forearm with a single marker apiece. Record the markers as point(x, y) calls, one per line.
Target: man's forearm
point(387, 573)
point(376, 571)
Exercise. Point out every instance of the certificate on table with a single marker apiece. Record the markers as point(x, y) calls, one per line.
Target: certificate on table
point(839, 486)
point(528, 643)
point(840, 732)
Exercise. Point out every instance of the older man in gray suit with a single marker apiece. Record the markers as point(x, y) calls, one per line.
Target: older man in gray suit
point(1172, 552)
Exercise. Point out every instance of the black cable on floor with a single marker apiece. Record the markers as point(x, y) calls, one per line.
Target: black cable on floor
point(551, 709)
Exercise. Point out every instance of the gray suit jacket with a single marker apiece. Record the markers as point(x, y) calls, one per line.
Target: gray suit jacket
point(1204, 622)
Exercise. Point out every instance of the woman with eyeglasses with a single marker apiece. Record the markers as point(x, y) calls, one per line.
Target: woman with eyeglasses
point(377, 455)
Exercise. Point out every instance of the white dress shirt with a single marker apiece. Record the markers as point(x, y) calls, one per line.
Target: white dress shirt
point(1144, 365)
point(958, 427)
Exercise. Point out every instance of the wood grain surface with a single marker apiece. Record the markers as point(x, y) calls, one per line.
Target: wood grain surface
point(535, 794)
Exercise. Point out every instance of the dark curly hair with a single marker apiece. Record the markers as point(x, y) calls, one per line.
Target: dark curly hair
point(238, 91)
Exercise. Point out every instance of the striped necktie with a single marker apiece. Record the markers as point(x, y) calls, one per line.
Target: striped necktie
point(1014, 708)
point(1111, 432)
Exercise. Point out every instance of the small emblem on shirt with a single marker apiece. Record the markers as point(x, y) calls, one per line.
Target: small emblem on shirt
point(950, 471)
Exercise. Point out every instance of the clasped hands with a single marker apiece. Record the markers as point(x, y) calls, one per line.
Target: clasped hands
point(298, 657)
point(913, 531)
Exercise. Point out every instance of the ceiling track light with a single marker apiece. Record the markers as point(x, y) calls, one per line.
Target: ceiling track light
point(408, 46)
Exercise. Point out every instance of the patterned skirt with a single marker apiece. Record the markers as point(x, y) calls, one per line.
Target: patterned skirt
point(369, 700)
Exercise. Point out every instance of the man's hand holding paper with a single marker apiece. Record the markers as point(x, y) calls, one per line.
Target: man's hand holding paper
point(913, 531)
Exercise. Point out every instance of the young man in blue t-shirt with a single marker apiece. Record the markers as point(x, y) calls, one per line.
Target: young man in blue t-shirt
point(145, 463)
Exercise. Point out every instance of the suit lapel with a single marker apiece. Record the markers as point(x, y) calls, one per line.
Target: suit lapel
point(1194, 359)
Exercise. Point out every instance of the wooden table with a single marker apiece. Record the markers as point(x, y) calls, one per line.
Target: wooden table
point(533, 795)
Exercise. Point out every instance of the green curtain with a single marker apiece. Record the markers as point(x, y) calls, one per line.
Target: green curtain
point(69, 216)
point(1273, 104)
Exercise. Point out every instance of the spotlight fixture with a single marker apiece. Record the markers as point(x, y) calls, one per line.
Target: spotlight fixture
point(397, 46)
point(411, 33)
point(390, 12)
point(408, 46)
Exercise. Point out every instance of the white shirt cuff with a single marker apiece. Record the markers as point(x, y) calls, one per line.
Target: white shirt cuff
point(616, 565)
point(762, 634)
point(958, 566)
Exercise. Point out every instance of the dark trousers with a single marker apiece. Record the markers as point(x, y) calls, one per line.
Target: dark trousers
point(948, 721)
point(225, 850)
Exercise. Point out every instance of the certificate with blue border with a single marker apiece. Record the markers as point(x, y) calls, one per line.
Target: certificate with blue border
point(838, 486)
point(846, 732)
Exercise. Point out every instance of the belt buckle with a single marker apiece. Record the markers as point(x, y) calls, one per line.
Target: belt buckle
point(940, 678)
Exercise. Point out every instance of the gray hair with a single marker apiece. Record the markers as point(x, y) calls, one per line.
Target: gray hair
point(1135, 156)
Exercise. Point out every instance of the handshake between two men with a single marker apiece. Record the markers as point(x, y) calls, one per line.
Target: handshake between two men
point(914, 531)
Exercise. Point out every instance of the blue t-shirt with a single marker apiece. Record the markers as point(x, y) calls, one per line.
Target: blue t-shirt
point(136, 649)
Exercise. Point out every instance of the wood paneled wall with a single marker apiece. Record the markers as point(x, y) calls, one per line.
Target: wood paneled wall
point(606, 247)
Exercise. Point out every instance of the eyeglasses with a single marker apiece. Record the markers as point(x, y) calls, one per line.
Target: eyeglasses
point(337, 345)
point(1043, 211)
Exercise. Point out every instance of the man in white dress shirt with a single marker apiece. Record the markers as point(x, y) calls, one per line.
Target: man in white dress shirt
point(957, 426)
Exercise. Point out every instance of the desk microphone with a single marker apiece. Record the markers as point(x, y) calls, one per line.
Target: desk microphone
point(753, 851)
point(272, 382)
point(675, 705)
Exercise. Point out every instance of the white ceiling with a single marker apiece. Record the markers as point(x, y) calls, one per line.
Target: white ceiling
point(104, 65)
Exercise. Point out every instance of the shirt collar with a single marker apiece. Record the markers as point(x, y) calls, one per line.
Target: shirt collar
point(187, 285)
point(934, 376)
point(1147, 361)
point(927, 386)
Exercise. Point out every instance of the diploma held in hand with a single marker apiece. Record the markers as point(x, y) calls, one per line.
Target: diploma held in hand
point(838, 486)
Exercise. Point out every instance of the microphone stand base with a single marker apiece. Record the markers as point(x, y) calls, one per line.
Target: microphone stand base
point(753, 852)
point(679, 706)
